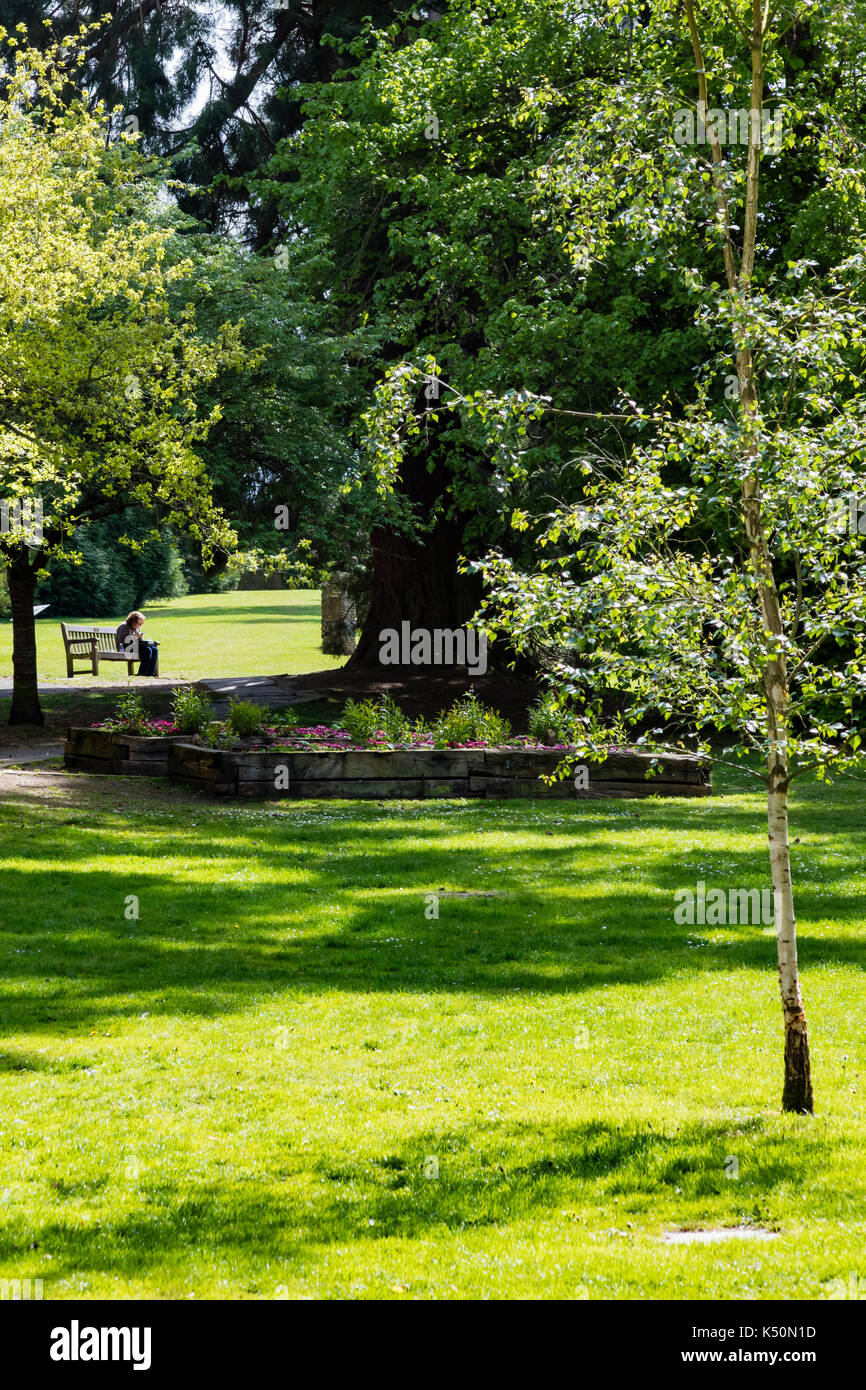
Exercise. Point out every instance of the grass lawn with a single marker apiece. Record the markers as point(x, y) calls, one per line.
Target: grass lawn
point(245, 633)
point(248, 1091)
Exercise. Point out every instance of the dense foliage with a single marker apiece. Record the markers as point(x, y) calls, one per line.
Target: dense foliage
point(101, 382)
point(109, 577)
point(212, 86)
point(415, 172)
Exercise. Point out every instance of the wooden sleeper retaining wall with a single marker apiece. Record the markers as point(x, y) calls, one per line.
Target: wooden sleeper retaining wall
point(100, 750)
point(411, 774)
point(429, 772)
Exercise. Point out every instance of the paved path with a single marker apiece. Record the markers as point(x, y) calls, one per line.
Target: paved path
point(69, 687)
point(29, 753)
point(275, 692)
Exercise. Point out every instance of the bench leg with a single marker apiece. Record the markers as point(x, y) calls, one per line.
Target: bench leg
point(130, 667)
point(69, 670)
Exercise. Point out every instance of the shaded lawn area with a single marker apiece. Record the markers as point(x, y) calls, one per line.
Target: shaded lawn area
point(245, 633)
point(79, 706)
point(247, 1091)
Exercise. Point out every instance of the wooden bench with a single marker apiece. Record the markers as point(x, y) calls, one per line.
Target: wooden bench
point(95, 644)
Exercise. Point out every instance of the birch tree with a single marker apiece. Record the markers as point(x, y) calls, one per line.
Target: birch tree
point(713, 572)
point(762, 633)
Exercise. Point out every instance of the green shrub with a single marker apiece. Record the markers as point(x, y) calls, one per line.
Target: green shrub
point(217, 736)
point(420, 728)
point(469, 721)
point(360, 719)
point(466, 721)
point(191, 710)
point(112, 576)
point(129, 715)
point(393, 722)
point(286, 721)
point(549, 722)
point(245, 718)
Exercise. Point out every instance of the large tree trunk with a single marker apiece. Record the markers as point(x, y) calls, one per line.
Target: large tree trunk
point(26, 708)
point(418, 582)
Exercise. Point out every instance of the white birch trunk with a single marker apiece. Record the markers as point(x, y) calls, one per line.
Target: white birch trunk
point(797, 1095)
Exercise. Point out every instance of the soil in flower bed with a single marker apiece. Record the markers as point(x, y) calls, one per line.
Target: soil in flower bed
point(324, 737)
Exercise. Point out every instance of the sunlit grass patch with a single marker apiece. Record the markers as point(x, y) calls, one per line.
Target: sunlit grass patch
point(281, 1077)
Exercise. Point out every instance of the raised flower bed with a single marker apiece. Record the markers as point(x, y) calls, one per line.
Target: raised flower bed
point(322, 761)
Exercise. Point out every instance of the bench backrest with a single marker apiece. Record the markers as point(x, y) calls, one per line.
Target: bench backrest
point(79, 640)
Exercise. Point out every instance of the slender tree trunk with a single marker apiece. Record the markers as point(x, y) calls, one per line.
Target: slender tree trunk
point(26, 708)
point(797, 1094)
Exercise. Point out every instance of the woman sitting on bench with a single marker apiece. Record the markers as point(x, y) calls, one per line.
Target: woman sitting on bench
point(128, 634)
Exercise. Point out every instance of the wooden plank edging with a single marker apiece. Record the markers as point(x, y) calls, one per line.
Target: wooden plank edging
point(377, 773)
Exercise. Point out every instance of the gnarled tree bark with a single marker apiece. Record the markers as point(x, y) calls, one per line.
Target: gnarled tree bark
point(416, 579)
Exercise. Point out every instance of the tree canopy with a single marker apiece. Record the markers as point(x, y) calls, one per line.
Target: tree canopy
point(100, 379)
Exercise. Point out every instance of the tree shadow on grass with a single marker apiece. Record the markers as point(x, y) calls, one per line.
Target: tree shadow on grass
point(478, 1176)
point(31, 1061)
point(215, 956)
point(337, 901)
